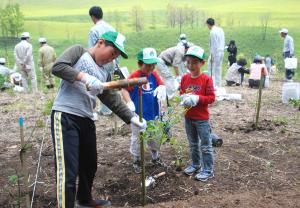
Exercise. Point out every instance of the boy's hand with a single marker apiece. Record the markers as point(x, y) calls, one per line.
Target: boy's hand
point(141, 125)
point(131, 106)
point(93, 84)
point(160, 92)
point(189, 100)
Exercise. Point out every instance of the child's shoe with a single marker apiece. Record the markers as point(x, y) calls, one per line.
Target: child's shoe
point(191, 169)
point(204, 176)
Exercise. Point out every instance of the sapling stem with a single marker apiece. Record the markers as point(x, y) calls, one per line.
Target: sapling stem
point(23, 162)
point(259, 97)
point(142, 150)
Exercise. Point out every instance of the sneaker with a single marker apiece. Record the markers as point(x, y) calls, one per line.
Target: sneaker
point(216, 140)
point(158, 162)
point(190, 170)
point(204, 176)
point(137, 166)
point(94, 203)
point(217, 143)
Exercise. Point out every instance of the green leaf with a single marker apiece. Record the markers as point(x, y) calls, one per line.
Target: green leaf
point(13, 179)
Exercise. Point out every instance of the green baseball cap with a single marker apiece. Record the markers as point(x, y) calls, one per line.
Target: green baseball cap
point(117, 39)
point(147, 56)
point(196, 51)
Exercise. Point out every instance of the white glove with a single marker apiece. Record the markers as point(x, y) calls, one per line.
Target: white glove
point(93, 84)
point(131, 106)
point(160, 92)
point(189, 100)
point(141, 125)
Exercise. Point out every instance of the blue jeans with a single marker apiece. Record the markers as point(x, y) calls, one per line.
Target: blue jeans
point(198, 134)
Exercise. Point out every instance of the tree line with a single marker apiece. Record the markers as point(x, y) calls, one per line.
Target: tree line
point(11, 20)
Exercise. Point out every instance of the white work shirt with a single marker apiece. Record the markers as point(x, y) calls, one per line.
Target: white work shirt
point(173, 56)
point(216, 40)
point(4, 70)
point(23, 54)
point(288, 44)
point(97, 30)
point(233, 73)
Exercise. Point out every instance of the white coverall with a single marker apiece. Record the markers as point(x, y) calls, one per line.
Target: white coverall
point(170, 57)
point(24, 62)
point(216, 46)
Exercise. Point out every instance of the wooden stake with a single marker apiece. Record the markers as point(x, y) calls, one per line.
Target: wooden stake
point(23, 162)
point(142, 150)
point(259, 97)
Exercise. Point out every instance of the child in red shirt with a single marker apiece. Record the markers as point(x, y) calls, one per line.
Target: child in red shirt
point(197, 92)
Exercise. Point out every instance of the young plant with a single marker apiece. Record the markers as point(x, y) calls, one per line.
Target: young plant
point(159, 131)
point(15, 180)
point(294, 102)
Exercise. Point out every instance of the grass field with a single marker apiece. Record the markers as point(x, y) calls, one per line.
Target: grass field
point(64, 23)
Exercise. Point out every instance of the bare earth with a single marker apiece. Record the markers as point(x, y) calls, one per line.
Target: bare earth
point(254, 168)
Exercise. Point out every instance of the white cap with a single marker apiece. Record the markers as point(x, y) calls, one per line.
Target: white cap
point(42, 40)
point(182, 36)
point(2, 61)
point(25, 35)
point(284, 30)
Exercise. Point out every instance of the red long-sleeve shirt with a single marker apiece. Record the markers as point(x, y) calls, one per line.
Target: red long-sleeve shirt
point(202, 86)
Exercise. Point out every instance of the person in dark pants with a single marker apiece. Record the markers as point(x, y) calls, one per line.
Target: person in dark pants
point(72, 125)
point(258, 71)
point(232, 51)
point(235, 73)
point(287, 51)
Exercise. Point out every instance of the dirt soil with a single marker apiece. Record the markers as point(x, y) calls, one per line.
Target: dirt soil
point(254, 167)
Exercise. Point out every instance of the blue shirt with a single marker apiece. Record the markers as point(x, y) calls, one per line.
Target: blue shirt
point(149, 102)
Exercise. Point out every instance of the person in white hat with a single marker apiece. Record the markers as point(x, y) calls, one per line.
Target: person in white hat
point(153, 94)
point(47, 58)
point(216, 49)
point(197, 92)
point(24, 61)
point(5, 72)
point(287, 51)
point(183, 40)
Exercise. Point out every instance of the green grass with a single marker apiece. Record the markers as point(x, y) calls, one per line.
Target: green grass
point(67, 22)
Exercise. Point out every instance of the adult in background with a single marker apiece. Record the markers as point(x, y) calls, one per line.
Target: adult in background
point(4, 71)
point(269, 63)
point(216, 48)
point(232, 52)
point(95, 32)
point(235, 73)
point(182, 39)
point(287, 51)
point(4, 74)
point(181, 42)
point(258, 71)
point(47, 58)
point(24, 61)
point(171, 57)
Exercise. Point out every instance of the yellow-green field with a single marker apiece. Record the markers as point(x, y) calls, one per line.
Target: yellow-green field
point(67, 22)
